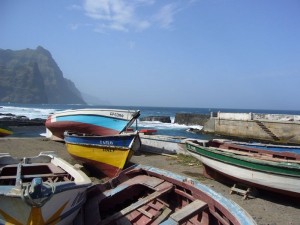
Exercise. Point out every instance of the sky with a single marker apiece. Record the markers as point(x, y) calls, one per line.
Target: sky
point(172, 53)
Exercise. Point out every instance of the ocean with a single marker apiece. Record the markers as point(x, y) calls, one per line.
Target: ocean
point(42, 111)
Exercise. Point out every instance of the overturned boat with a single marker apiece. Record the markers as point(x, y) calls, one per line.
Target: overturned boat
point(90, 121)
point(40, 190)
point(148, 195)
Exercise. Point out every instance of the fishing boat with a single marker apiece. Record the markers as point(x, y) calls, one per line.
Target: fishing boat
point(273, 171)
point(5, 132)
point(269, 147)
point(90, 121)
point(148, 195)
point(40, 190)
point(107, 154)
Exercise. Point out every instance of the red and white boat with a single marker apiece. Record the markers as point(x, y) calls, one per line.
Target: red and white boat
point(90, 121)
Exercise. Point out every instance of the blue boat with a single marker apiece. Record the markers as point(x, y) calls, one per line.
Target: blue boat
point(90, 121)
point(107, 154)
point(267, 147)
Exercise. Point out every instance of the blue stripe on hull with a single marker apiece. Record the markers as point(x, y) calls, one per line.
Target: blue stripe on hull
point(120, 141)
point(111, 123)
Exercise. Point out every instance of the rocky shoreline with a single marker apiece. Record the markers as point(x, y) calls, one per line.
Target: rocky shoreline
point(9, 119)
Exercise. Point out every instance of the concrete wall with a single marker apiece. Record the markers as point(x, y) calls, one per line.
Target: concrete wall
point(269, 130)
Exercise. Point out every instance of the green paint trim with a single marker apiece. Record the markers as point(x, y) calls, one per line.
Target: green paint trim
point(280, 168)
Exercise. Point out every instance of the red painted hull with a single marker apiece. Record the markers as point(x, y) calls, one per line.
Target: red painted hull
point(58, 128)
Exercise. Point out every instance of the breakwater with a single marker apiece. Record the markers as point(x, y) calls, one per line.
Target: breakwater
point(267, 127)
point(274, 128)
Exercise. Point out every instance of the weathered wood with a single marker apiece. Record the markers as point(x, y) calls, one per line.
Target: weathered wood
point(164, 215)
point(136, 205)
point(188, 210)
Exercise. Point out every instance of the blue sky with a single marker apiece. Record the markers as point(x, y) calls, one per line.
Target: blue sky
point(189, 53)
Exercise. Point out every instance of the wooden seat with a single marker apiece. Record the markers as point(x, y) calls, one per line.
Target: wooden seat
point(136, 205)
point(188, 210)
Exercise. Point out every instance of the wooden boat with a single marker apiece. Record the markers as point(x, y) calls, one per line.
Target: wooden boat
point(269, 147)
point(40, 190)
point(148, 195)
point(5, 132)
point(90, 121)
point(274, 171)
point(107, 154)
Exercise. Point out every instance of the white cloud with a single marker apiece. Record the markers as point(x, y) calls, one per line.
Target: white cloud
point(165, 16)
point(138, 15)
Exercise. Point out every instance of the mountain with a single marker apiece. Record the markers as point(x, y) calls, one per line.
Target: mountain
point(32, 76)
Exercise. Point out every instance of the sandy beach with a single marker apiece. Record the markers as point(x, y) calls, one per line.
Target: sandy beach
point(266, 209)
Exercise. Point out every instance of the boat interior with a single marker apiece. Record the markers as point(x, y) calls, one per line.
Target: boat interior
point(139, 197)
point(16, 171)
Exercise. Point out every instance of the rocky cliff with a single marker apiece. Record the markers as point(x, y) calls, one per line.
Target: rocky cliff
point(32, 76)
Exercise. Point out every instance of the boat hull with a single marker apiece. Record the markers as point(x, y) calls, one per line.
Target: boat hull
point(262, 174)
point(107, 154)
point(90, 121)
point(5, 132)
point(61, 209)
point(163, 144)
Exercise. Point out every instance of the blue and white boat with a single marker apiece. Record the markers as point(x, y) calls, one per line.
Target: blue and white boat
point(90, 121)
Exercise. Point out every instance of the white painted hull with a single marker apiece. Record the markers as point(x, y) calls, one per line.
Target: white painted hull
point(163, 144)
point(274, 181)
point(64, 206)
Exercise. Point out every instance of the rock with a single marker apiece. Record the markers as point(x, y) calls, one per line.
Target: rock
point(21, 121)
point(191, 119)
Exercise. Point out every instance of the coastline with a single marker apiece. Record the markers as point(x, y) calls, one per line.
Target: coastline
point(265, 209)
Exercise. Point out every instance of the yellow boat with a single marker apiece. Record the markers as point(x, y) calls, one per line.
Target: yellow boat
point(108, 154)
point(5, 132)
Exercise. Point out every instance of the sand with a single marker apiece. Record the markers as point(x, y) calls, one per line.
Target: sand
point(266, 208)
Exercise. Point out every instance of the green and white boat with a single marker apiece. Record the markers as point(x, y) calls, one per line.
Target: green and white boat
point(274, 171)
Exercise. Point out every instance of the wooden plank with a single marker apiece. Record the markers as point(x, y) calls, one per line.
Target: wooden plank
point(165, 214)
point(149, 215)
point(136, 205)
point(186, 211)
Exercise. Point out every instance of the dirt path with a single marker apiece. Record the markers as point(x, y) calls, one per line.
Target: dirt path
point(266, 209)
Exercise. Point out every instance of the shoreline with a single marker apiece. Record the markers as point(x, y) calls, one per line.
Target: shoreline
point(265, 209)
